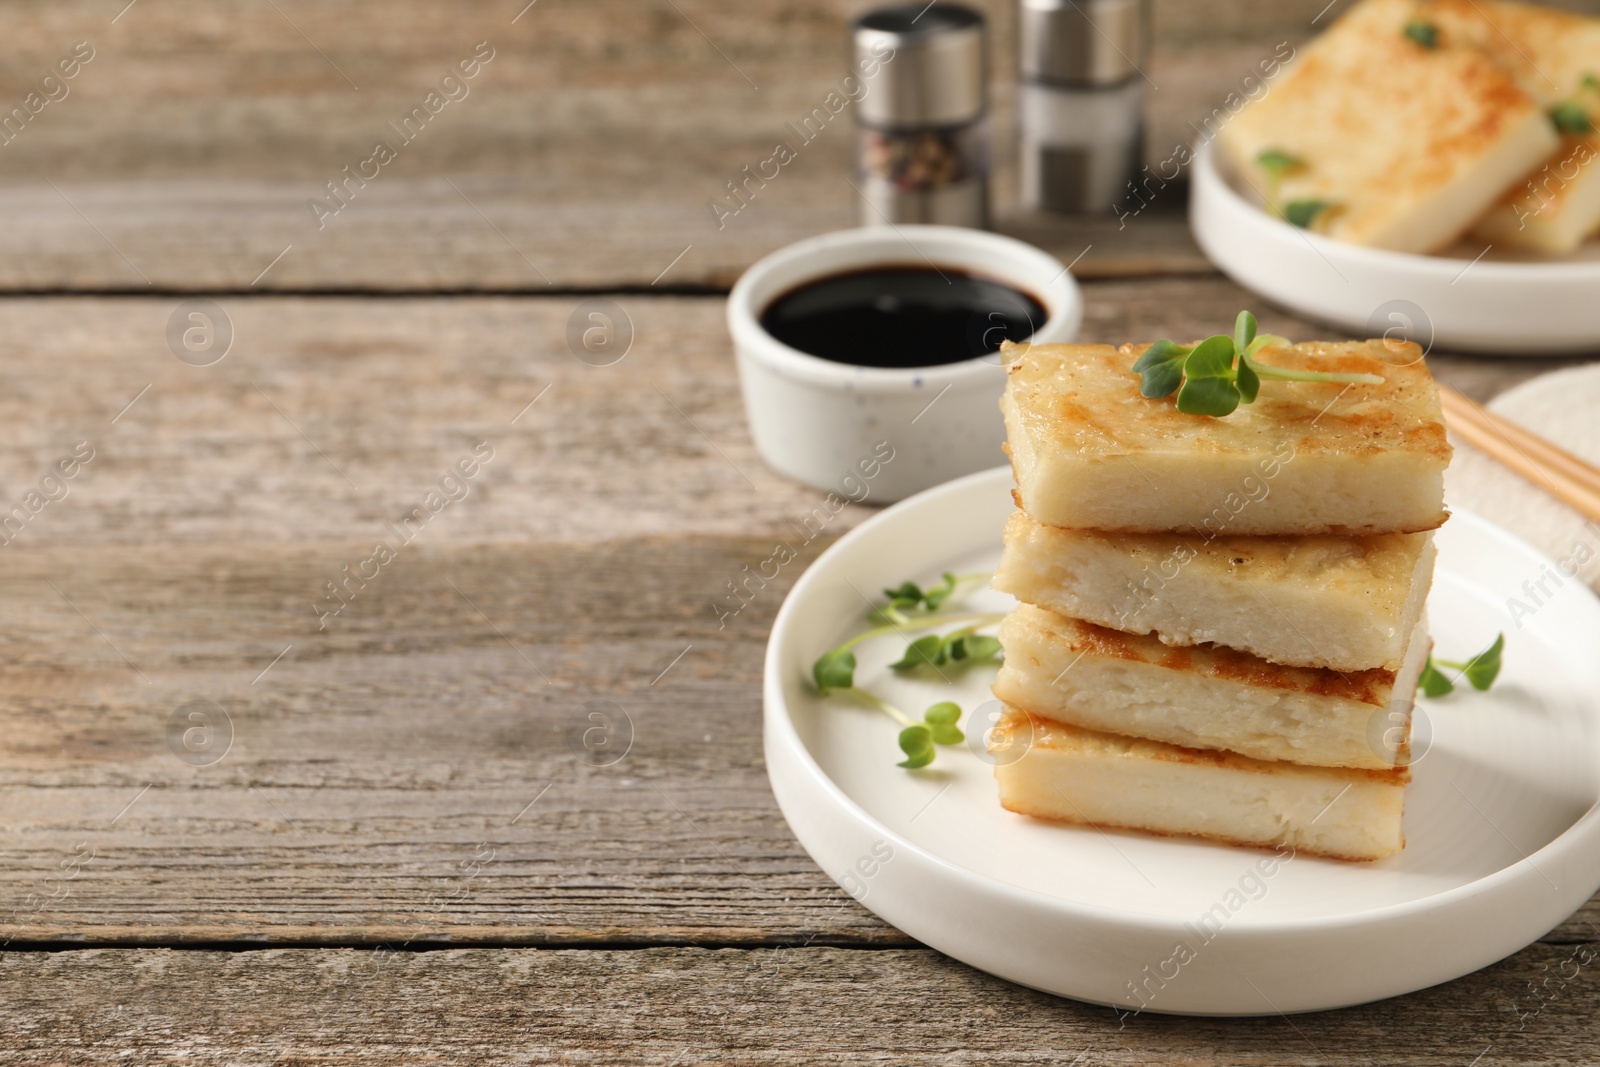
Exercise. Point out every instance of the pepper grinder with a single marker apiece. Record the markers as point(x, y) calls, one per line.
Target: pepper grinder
point(922, 146)
point(1080, 101)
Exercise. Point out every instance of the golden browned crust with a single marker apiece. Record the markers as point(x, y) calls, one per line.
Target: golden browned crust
point(1047, 733)
point(1213, 661)
point(1547, 51)
point(1383, 125)
point(1221, 839)
point(1085, 399)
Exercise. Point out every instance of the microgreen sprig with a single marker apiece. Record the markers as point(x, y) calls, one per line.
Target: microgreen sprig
point(960, 646)
point(1423, 33)
point(938, 726)
point(1277, 165)
point(911, 608)
point(835, 668)
point(1570, 116)
point(1303, 213)
point(1575, 115)
point(1480, 671)
point(907, 597)
point(1205, 375)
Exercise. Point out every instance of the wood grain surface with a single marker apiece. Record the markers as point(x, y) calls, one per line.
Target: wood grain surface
point(697, 1006)
point(585, 154)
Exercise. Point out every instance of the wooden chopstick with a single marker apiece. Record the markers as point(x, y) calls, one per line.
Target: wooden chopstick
point(1555, 470)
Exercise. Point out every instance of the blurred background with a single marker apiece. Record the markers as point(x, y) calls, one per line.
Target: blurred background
point(585, 154)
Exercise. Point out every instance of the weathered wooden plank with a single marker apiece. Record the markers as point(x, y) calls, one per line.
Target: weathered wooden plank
point(689, 1006)
point(415, 771)
point(329, 416)
point(578, 157)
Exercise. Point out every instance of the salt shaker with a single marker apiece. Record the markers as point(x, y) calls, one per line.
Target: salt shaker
point(922, 136)
point(1080, 101)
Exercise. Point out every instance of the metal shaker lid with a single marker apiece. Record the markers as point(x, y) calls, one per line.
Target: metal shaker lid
point(1083, 42)
point(930, 63)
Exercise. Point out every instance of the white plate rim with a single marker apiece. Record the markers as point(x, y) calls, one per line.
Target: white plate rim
point(1443, 267)
point(1507, 309)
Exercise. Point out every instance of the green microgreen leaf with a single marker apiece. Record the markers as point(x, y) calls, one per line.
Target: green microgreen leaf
point(1249, 382)
point(1303, 213)
point(1211, 358)
point(909, 592)
point(1216, 397)
point(1244, 331)
point(1160, 368)
point(1424, 33)
point(978, 647)
point(941, 719)
point(1432, 681)
point(891, 614)
point(1266, 340)
point(921, 652)
point(937, 595)
point(1278, 163)
point(1481, 670)
point(916, 741)
point(1570, 116)
point(835, 670)
point(1484, 668)
point(1591, 82)
point(1208, 380)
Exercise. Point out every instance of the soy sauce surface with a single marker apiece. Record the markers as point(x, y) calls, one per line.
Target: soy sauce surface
point(902, 316)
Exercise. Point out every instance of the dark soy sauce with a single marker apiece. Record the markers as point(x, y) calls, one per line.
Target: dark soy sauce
point(902, 316)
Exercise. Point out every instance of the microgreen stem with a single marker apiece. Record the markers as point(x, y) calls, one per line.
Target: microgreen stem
point(882, 705)
point(923, 622)
point(1283, 374)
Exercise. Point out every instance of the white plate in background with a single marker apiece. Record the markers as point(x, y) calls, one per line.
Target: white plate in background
point(1501, 304)
point(1502, 827)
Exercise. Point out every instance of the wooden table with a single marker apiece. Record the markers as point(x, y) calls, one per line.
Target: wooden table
point(380, 840)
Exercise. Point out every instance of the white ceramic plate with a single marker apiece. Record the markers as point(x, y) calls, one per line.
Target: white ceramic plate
point(1498, 304)
point(1502, 827)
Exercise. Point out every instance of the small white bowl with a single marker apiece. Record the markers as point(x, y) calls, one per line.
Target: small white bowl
point(1495, 305)
point(870, 432)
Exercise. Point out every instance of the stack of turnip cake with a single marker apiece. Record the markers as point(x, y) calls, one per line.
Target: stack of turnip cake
point(1221, 624)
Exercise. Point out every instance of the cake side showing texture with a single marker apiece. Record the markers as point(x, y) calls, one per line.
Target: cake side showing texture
point(1079, 776)
point(1349, 604)
point(1089, 452)
point(1209, 697)
point(1554, 209)
point(1555, 57)
point(1401, 132)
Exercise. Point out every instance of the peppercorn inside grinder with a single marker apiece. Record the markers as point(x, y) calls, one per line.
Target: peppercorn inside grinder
point(922, 137)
